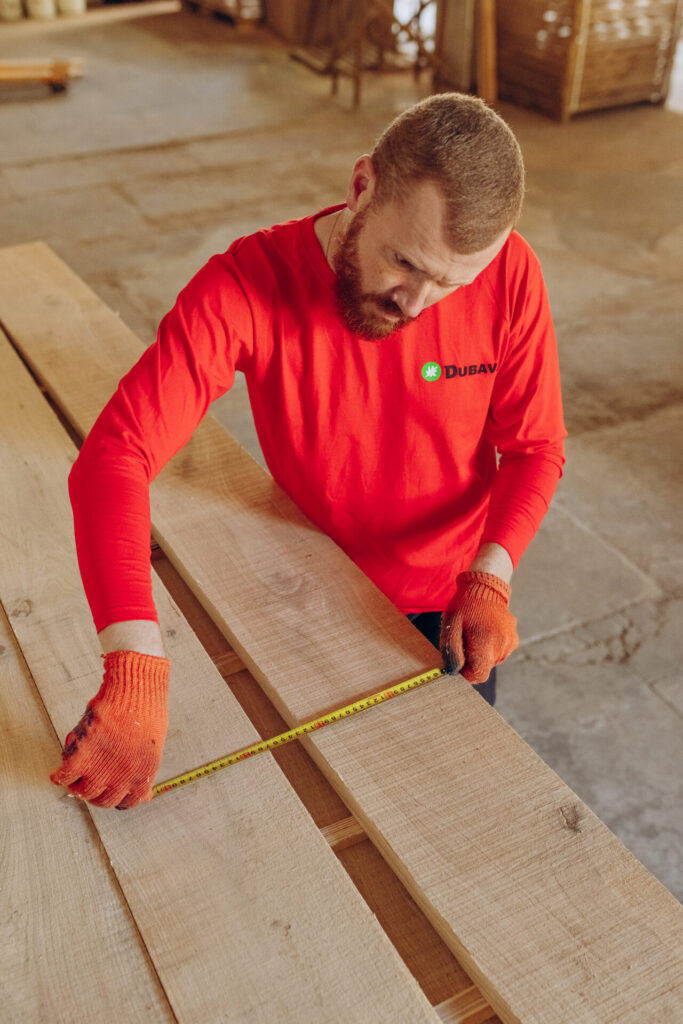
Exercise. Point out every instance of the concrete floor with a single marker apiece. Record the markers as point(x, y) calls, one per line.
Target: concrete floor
point(184, 134)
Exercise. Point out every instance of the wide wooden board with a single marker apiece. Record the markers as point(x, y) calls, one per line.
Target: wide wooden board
point(62, 913)
point(244, 910)
point(552, 917)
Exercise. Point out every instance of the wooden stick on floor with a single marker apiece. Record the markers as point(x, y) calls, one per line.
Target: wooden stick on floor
point(55, 73)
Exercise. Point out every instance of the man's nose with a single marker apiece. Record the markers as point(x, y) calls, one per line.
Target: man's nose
point(412, 299)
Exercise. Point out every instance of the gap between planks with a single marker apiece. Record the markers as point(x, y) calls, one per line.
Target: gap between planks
point(340, 834)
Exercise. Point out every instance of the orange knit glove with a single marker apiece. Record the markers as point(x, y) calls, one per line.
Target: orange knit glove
point(112, 755)
point(477, 630)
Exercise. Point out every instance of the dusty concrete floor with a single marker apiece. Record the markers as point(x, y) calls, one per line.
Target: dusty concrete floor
point(185, 134)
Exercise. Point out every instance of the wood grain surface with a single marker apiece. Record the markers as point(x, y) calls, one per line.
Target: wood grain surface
point(62, 914)
point(551, 916)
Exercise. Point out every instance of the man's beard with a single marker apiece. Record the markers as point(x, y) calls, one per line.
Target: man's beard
point(360, 310)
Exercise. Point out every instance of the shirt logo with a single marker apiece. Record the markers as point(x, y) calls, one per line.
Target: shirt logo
point(431, 371)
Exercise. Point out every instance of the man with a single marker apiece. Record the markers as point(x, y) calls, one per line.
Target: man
point(394, 348)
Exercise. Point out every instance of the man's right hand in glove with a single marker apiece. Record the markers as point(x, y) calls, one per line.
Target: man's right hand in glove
point(111, 757)
point(477, 630)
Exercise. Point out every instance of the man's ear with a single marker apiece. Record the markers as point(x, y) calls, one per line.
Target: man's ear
point(362, 184)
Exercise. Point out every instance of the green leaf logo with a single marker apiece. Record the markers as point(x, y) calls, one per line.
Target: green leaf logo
point(431, 371)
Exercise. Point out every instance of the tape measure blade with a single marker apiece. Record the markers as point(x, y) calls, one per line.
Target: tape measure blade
point(261, 746)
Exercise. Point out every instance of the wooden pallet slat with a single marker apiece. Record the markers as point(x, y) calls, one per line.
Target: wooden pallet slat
point(551, 916)
point(343, 834)
point(467, 1008)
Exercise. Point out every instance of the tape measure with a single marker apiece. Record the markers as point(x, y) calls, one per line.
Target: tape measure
point(300, 730)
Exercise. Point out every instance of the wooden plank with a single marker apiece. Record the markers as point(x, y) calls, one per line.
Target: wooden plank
point(54, 72)
point(245, 911)
point(550, 915)
point(62, 912)
point(222, 655)
point(617, 98)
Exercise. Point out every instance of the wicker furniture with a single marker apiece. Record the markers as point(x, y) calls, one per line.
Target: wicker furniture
point(567, 56)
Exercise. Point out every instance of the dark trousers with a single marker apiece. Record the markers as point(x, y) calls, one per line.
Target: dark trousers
point(429, 624)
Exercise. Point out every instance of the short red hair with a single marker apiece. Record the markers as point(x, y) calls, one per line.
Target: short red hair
point(469, 151)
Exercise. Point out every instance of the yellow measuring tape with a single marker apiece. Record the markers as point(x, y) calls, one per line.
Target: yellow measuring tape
point(299, 730)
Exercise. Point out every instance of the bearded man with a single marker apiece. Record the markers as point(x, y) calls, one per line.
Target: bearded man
point(401, 365)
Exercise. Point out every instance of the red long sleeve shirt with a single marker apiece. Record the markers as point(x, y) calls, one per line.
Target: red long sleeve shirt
point(390, 447)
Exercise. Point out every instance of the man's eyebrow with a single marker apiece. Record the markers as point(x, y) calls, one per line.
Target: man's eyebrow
point(441, 283)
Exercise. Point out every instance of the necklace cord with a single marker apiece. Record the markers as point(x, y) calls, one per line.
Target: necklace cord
point(332, 232)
